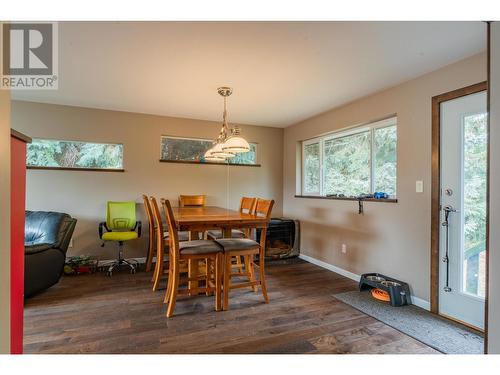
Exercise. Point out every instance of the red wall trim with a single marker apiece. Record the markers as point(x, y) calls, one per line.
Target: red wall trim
point(17, 218)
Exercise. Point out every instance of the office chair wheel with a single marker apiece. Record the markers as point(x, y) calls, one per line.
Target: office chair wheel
point(109, 273)
point(132, 270)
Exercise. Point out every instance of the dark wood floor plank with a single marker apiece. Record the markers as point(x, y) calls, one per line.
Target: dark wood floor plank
point(121, 314)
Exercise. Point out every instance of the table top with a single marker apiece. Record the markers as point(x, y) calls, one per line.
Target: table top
point(215, 216)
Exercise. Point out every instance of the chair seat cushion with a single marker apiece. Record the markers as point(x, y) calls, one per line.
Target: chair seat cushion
point(235, 233)
point(199, 247)
point(119, 236)
point(237, 244)
point(183, 235)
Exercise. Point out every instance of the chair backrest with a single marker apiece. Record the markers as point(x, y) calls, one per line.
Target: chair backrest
point(247, 205)
point(172, 229)
point(264, 208)
point(47, 227)
point(149, 212)
point(121, 215)
point(192, 200)
point(159, 229)
point(155, 211)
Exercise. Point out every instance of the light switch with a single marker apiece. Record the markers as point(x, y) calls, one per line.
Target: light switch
point(419, 186)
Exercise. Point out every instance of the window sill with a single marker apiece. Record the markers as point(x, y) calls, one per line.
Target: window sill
point(74, 169)
point(208, 163)
point(388, 200)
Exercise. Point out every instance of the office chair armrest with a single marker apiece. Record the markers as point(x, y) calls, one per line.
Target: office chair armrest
point(138, 226)
point(102, 226)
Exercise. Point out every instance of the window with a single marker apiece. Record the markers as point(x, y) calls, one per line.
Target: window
point(311, 168)
point(350, 163)
point(192, 150)
point(47, 153)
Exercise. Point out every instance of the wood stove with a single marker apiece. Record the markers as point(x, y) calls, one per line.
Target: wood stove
point(282, 238)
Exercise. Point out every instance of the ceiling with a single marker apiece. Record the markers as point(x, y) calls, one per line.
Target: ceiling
point(281, 72)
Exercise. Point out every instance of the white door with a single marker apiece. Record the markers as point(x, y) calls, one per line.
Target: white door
point(463, 212)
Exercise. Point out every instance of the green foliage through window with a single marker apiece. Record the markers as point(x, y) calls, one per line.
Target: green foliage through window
point(193, 150)
point(475, 169)
point(74, 154)
point(311, 169)
point(347, 165)
point(360, 161)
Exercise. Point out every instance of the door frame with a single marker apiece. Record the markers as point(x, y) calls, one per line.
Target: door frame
point(436, 185)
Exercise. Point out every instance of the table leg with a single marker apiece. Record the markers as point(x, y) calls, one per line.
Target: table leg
point(194, 235)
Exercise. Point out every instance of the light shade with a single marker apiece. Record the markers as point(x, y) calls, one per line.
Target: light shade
point(218, 150)
point(235, 143)
point(208, 156)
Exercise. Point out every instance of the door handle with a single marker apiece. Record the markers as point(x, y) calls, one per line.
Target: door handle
point(447, 210)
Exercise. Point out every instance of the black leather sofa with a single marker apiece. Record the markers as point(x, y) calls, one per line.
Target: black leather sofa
point(46, 240)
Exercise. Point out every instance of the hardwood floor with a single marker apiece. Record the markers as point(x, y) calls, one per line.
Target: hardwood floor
point(121, 314)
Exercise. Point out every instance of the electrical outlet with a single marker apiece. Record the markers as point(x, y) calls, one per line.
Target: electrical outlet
point(419, 186)
point(70, 243)
point(344, 248)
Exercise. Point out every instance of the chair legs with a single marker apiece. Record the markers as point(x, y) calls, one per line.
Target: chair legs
point(218, 281)
point(121, 261)
point(169, 286)
point(149, 259)
point(213, 276)
point(263, 277)
point(249, 272)
point(239, 264)
point(228, 265)
point(157, 274)
point(174, 289)
point(219, 271)
point(249, 268)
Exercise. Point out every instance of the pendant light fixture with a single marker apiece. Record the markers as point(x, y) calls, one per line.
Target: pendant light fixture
point(235, 143)
point(226, 147)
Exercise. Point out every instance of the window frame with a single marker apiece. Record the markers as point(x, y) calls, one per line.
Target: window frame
point(91, 169)
point(257, 153)
point(370, 127)
point(303, 179)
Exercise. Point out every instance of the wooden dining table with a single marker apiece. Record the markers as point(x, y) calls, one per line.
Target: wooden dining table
point(200, 219)
point(203, 218)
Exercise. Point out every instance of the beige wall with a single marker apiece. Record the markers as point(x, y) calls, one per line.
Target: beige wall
point(393, 239)
point(84, 194)
point(5, 221)
point(494, 245)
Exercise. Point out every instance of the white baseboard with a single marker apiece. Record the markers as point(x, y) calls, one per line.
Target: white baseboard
point(350, 275)
point(422, 303)
point(331, 267)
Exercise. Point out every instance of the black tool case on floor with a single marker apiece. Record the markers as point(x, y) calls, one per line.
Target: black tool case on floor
point(399, 291)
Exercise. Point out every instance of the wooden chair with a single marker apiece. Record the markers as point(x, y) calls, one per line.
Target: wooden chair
point(247, 206)
point(151, 232)
point(247, 248)
point(157, 246)
point(161, 244)
point(197, 250)
point(192, 200)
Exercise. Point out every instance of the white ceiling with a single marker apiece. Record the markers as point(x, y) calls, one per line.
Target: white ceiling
point(281, 72)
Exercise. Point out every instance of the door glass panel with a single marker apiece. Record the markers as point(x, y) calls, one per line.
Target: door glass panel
point(474, 204)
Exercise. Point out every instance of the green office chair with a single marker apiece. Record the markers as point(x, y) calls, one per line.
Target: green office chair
point(120, 226)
